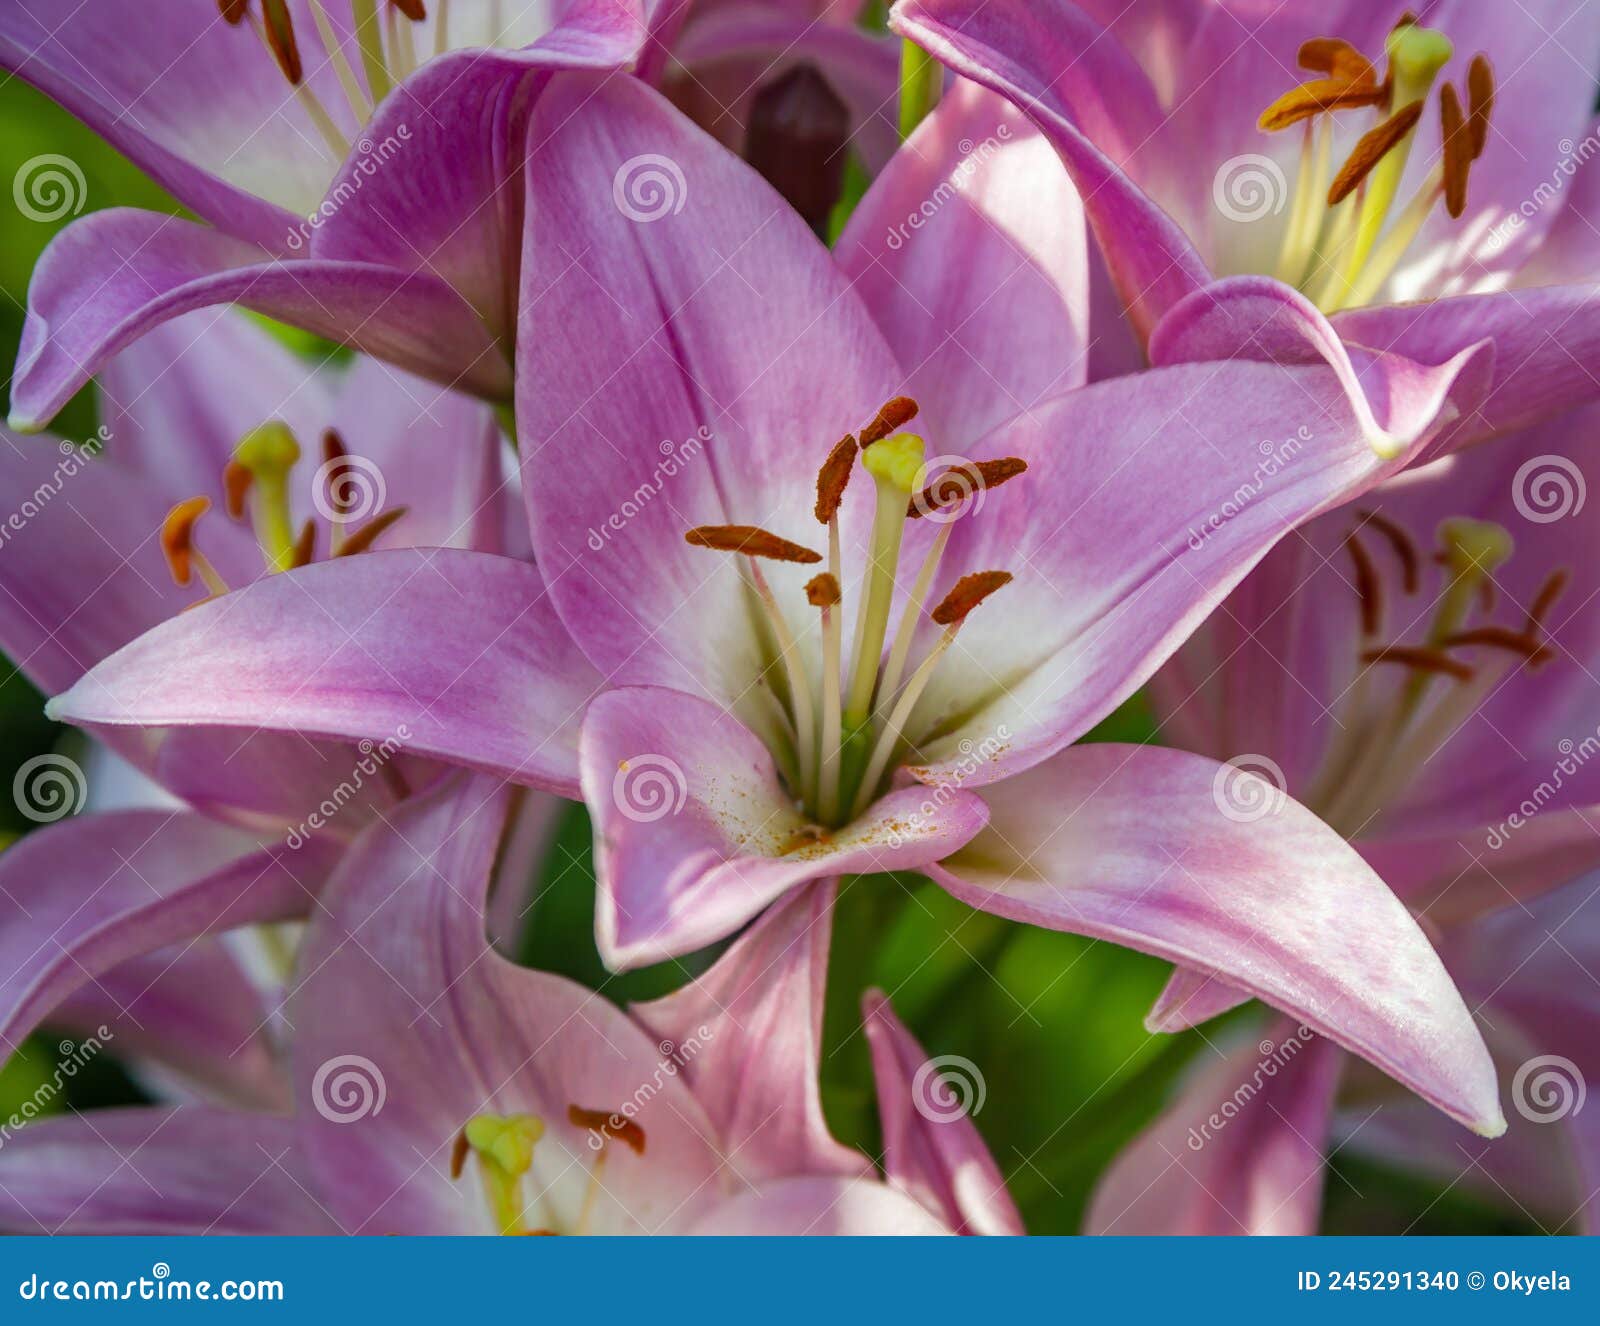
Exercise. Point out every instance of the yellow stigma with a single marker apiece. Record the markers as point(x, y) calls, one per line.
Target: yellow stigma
point(269, 453)
point(1418, 54)
point(897, 461)
point(1474, 547)
point(504, 1145)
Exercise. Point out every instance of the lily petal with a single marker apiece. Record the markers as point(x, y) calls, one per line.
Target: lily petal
point(929, 1151)
point(1239, 1152)
point(694, 833)
point(1191, 997)
point(820, 1206)
point(109, 277)
point(1132, 844)
point(452, 654)
point(749, 1034)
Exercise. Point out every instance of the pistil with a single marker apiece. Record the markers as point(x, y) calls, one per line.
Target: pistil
point(267, 454)
point(504, 1146)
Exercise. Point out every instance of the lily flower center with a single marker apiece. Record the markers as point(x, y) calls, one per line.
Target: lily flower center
point(1385, 735)
point(504, 1145)
point(383, 37)
point(843, 736)
point(255, 486)
point(1346, 234)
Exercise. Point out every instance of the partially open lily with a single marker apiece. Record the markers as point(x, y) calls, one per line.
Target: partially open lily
point(1244, 212)
point(736, 346)
point(242, 826)
point(356, 162)
point(1423, 681)
point(440, 1089)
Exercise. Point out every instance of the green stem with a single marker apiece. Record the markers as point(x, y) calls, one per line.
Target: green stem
point(921, 78)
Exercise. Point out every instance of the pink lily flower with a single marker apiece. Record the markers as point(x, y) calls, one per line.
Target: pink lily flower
point(207, 828)
point(354, 164)
point(734, 346)
point(1422, 681)
point(1321, 184)
point(440, 1089)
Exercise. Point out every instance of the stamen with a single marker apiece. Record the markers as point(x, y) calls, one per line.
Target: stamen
point(752, 541)
point(369, 533)
point(799, 684)
point(1400, 541)
point(966, 594)
point(1420, 658)
point(1498, 637)
point(279, 28)
point(960, 482)
point(1374, 146)
point(415, 10)
point(609, 1124)
point(305, 547)
point(895, 414)
point(177, 544)
point(1480, 102)
point(822, 591)
point(236, 481)
point(834, 477)
point(1336, 57)
point(459, 1153)
point(1548, 593)
point(233, 11)
point(1313, 98)
point(1457, 151)
point(359, 105)
point(1367, 587)
point(369, 40)
point(278, 37)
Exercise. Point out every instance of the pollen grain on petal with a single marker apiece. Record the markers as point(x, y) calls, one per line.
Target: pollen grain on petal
point(966, 594)
point(751, 540)
point(1375, 144)
point(833, 478)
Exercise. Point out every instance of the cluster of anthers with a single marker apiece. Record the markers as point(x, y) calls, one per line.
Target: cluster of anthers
point(255, 483)
point(504, 1146)
point(1383, 740)
point(1331, 248)
point(388, 52)
point(842, 747)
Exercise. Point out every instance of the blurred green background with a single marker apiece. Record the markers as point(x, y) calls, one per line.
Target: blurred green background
point(1053, 1022)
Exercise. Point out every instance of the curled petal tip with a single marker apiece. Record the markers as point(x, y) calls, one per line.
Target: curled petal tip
point(25, 423)
point(1492, 1127)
